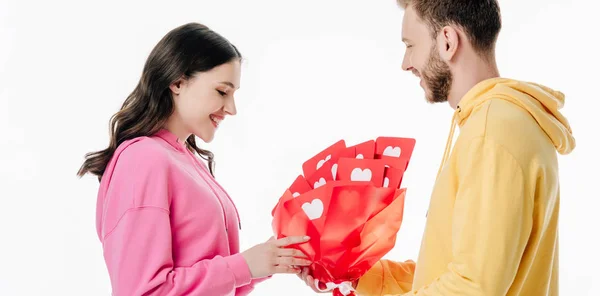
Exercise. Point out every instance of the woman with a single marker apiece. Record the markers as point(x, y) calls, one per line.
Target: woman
point(166, 226)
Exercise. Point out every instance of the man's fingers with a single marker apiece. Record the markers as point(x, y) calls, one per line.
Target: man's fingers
point(322, 286)
point(310, 281)
point(291, 240)
point(304, 273)
point(311, 284)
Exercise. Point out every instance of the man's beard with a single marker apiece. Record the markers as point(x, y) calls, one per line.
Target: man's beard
point(437, 78)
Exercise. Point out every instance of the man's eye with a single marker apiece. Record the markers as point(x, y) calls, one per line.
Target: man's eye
point(222, 93)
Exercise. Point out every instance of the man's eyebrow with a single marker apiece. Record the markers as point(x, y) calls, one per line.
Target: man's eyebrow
point(228, 84)
point(404, 39)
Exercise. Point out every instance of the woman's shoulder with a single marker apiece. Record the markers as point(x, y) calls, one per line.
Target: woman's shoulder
point(138, 166)
point(135, 178)
point(141, 155)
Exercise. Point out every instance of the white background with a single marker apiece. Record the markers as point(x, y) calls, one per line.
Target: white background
point(66, 66)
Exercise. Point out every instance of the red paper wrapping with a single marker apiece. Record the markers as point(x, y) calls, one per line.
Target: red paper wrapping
point(350, 239)
point(352, 224)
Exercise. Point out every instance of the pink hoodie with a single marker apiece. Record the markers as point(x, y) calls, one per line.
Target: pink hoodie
point(166, 226)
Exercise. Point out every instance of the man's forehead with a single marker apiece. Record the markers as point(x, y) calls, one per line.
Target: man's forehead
point(407, 31)
point(412, 25)
point(410, 17)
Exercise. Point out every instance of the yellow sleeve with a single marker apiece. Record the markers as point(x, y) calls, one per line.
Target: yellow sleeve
point(387, 277)
point(492, 220)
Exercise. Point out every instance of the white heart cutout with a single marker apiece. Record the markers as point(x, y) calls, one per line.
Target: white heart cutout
point(323, 161)
point(314, 209)
point(360, 156)
point(319, 183)
point(392, 151)
point(361, 175)
point(295, 194)
point(334, 170)
point(386, 182)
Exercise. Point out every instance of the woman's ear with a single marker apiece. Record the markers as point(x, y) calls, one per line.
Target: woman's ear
point(176, 86)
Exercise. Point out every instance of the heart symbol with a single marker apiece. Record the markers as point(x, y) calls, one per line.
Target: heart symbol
point(360, 156)
point(361, 175)
point(392, 151)
point(386, 182)
point(322, 161)
point(334, 170)
point(319, 183)
point(314, 209)
point(296, 194)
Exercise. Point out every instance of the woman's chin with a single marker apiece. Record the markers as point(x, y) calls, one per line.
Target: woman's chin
point(206, 137)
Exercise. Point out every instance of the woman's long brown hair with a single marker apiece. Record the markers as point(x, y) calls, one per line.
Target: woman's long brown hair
point(184, 51)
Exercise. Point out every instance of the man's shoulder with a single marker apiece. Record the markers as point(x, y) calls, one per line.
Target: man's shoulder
point(509, 127)
point(502, 121)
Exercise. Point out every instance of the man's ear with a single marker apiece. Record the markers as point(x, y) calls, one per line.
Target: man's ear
point(448, 42)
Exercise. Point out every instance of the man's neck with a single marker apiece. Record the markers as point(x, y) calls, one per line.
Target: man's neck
point(469, 74)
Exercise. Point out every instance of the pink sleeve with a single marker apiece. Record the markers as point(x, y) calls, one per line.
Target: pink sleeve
point(245, 290)
point(138, 257)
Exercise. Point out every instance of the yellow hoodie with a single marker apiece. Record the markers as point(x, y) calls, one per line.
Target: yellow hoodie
point(492, 225)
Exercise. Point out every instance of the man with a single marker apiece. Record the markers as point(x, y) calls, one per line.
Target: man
point(492, 225)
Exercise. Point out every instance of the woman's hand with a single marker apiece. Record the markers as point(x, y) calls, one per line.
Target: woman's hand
point(272, 257)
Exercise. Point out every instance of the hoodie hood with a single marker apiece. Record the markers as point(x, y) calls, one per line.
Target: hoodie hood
point(542, 102)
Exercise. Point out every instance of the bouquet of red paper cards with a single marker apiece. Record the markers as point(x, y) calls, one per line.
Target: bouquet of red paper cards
point(350, 203)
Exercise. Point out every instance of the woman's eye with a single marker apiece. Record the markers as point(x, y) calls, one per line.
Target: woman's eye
point(222, 93)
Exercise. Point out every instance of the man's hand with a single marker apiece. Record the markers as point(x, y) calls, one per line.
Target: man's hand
point(310, 281)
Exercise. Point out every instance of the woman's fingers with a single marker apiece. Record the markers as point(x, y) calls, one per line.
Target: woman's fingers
point(288, 252)
point(291, 240)
point(288, 260)
point(287, 269)
point(291, 261)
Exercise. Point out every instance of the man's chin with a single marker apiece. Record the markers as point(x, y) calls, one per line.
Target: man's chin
point(428, 97)
point(432, 100)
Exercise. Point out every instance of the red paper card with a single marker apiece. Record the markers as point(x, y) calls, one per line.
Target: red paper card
point(323, 175)
point(393, 162)
point(300, 186)
point(395, 147)
point(314, 204)
point(361, 170)
point(365, 150)
point(316, 162)
point(393, 177)
point(276, 211)
point(346, 153)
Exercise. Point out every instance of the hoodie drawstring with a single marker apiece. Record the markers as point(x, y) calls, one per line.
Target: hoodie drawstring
point(448, 146)
point(449, 142)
